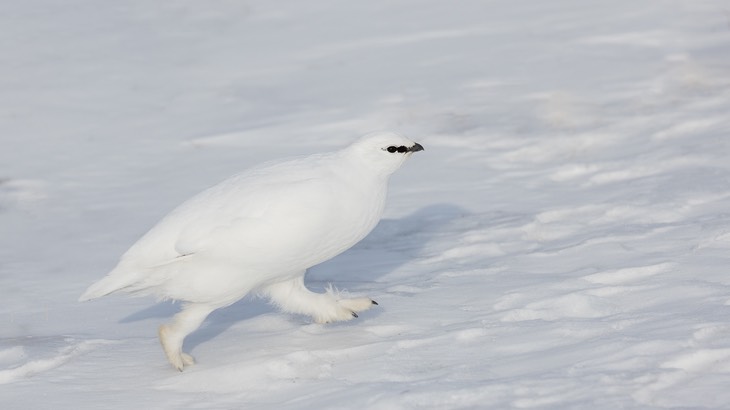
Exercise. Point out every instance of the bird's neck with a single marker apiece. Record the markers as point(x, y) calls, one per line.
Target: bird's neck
point(360, 167)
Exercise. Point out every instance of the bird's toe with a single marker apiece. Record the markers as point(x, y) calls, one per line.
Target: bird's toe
point(187, 359)
point(357, 304)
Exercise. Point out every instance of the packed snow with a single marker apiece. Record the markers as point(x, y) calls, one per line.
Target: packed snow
point(562, 242)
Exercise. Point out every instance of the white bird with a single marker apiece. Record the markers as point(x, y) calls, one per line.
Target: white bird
point(259, 231)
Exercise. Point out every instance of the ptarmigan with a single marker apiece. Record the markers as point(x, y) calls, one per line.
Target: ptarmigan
point(259, 231)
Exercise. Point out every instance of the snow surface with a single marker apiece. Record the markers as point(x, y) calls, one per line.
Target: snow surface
point(562, 243)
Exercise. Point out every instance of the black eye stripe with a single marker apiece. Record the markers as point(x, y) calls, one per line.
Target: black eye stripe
point(400, 149)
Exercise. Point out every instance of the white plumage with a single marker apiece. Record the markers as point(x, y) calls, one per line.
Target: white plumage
point(260, 231)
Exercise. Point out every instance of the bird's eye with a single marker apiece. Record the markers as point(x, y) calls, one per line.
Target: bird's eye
point(392, 148)
point(402, 149)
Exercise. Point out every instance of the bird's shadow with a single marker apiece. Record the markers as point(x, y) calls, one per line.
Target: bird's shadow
point(393, 243)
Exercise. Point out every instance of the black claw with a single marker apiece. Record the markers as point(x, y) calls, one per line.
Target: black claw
point(354, 314)
point(374, 302)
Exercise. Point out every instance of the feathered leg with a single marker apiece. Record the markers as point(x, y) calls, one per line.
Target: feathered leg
point(292, 296)
point(173, 334)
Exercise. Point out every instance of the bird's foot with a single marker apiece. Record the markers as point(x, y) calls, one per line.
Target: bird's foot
point(346, 309)
point(177, 358)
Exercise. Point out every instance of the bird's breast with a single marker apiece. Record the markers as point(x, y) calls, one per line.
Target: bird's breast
point(346, 218)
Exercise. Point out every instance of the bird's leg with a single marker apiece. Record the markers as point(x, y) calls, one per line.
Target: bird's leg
point(173, 334)
point(292, 296)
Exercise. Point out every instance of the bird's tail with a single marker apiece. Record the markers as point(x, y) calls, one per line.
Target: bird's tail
point(136, 280)
point(94, 291)
point(116, 280)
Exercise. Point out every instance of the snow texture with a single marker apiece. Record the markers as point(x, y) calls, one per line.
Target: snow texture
point(562, 243)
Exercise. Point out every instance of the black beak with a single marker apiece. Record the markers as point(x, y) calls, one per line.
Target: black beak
point(416, 147)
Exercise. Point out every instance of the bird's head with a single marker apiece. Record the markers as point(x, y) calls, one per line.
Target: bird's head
point(384, 152)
